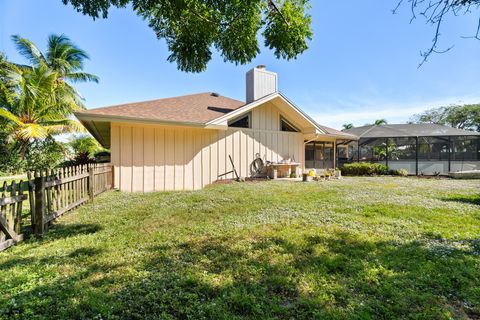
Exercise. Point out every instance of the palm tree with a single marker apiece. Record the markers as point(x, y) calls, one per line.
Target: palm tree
point(347, 126)
point(37, 100)
point(63, 57)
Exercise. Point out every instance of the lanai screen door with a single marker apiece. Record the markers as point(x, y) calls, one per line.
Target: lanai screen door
point(319, 155)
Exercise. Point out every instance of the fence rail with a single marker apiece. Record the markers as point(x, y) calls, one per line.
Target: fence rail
point(51, 193)
point(11, 214)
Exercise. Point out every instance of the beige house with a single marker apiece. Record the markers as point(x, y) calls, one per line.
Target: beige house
point(185, 143)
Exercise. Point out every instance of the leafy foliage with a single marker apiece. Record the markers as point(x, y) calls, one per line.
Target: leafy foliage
point(192, 28)
point(347, 126)
point(84, 149)
point(466, 117)
point(364, 169)
point(84, 144)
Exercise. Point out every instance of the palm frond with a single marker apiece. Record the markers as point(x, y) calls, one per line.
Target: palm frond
point(29, 50)
point(71, 125)
point(64, 126)
point(64, 55)
point(32, 131)
point(81, 77)
point(10, 116)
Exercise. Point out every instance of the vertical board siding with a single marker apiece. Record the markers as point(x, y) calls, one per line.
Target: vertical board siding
point(159, 183)
point(179, 160)
point(189, 156)
point(149, 159)
point(158, 158)
point(115, 153)
point(169, 159)
point(126, 156)
point(138, 160)
point(197, 160)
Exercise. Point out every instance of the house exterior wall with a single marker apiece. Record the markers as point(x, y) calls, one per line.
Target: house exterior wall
point(267, 117)
point(163, 158)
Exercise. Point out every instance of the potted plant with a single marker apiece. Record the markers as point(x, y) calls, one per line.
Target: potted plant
point(307, 177)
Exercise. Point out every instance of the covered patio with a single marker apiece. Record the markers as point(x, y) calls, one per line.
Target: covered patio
point(321, 150)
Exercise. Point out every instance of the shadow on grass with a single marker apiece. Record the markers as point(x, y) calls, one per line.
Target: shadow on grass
point(69, 296)
point(320, 277)
point(469, 199)
point(58, 231)
point(325, 277)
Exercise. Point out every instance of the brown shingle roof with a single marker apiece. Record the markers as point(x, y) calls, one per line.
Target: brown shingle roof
point(196, 108)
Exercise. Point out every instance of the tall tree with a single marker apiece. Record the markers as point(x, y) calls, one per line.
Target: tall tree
point(192, 28)
point(37, 100)
point(466, 117)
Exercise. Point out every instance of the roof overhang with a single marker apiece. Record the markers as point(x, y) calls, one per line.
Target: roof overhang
point(99, 125)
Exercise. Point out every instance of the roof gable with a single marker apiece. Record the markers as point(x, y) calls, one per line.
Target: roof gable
point(281, 102)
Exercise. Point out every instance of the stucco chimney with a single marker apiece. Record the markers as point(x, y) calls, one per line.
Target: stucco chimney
point(260, 83)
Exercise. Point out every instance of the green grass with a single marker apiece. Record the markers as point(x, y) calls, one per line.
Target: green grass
point(358, 248)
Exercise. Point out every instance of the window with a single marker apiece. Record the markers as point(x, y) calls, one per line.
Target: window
point(287, 126)
point(241, 122)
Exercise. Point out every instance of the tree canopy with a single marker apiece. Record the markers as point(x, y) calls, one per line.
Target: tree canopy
point(466, 117)
point(192, 28)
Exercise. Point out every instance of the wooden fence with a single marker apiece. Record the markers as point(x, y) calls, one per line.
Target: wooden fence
point(51, 193)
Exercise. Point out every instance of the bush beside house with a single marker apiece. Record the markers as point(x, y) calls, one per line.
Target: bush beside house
point(370, 169)
point(364, 169)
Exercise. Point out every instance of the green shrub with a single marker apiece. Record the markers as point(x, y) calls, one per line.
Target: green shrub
point(399, 172)
point(364, 169)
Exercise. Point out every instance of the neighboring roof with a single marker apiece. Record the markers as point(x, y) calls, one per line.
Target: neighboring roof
point(196, 108)
point(337, 133)
point(408, 130)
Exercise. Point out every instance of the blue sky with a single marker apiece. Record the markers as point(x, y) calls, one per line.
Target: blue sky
point(361, 65)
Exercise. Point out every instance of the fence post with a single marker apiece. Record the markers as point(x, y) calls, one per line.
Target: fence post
point(90, 183)
point(39, 205)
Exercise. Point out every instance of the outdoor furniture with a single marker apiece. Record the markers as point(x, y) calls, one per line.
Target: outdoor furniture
point(279, 169)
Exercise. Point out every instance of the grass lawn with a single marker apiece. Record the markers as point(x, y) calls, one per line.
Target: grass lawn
point(358, 248)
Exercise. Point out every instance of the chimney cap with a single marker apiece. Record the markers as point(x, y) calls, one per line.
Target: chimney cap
point(215, 94)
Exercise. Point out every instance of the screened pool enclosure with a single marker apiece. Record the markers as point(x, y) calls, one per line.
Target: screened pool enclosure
point(427, 149)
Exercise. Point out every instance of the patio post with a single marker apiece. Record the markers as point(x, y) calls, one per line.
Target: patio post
point(449, 153)
point(334, 154)
point(416, 156)
point(386, 152)
point(358, 150)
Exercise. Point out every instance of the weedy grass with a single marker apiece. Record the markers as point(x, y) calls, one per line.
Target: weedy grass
point(358, 248)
